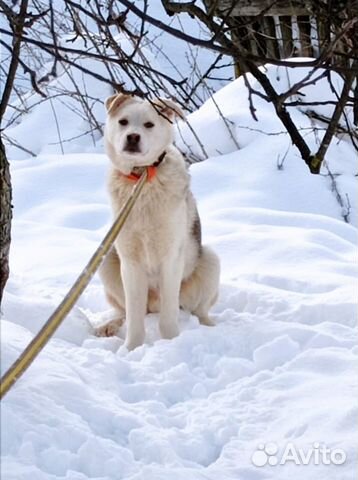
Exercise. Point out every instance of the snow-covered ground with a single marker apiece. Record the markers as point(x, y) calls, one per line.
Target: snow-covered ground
point(277, 371)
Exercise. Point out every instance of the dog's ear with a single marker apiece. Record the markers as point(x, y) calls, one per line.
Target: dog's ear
point(168, 108)
point(115, 101)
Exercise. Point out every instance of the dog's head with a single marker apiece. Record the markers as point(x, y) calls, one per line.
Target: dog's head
point(137, 132)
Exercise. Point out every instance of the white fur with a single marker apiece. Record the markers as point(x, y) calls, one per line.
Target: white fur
point(156, 263)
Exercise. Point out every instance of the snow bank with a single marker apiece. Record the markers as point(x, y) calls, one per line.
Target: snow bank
point(224, 123)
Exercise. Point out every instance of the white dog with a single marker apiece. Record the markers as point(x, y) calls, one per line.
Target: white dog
point(157, 262)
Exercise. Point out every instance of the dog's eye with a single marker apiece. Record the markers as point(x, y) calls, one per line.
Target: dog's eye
point(149, 125)
point(123, 122)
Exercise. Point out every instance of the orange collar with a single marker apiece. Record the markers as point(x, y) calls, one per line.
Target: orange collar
point(151, 173)
point(134, 176)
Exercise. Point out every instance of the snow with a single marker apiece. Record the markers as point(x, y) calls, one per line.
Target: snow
point(278, 367)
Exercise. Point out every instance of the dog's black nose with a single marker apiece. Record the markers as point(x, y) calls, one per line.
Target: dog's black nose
point(133, 139)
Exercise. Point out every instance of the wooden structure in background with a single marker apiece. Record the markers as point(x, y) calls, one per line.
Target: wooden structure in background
point(251, 8)
point(280, 29)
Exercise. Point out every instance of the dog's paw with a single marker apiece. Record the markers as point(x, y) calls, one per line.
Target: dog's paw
point(206, 321)
point(109, 329)
point(134, 340)
point(169, 330)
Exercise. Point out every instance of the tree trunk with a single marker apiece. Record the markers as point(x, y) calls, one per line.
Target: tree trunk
point(5, 217)
point(17, 24)
point(317, 160)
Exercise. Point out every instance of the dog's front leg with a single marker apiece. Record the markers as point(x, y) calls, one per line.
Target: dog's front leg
point(169, 286)
point(135, 283)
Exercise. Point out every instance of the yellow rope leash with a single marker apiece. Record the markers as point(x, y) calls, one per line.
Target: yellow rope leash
point(55, 320)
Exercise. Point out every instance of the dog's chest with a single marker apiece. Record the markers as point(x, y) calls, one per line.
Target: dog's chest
point(155, 229)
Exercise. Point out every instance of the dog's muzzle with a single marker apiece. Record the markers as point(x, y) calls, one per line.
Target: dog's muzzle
point(132, 144)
